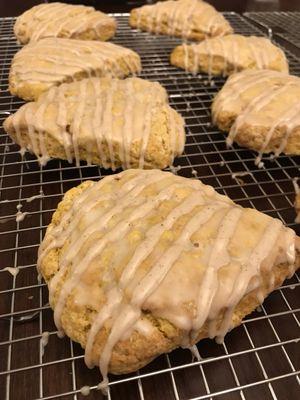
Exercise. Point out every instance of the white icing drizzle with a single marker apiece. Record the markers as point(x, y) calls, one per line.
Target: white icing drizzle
point(37, 196)
point(44, 341)
point(236, 174)
point(177, 16)
point(120, 118)
point(12, 270)
point(58, 19)
point(115, 213)
point(19, 214)
point(85, 390)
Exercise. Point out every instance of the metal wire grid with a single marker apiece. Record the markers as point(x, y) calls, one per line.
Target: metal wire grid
point(260, 359)
point(282, 24)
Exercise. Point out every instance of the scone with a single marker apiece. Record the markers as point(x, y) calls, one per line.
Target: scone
point(63, 21)
point(49, 62)
point(104, 121)
point(261, 111)
point(229, 54)
point(190, 19)
point(142, 262)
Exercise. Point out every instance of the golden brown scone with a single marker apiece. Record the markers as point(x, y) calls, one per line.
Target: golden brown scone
point(229, 54)
point(261, 111)
point(105, 121)
point(49, 62)
point(63, 21)
point(190, 19)
point(145, 261)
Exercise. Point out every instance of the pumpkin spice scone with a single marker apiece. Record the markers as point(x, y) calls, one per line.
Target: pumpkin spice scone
point(229, 54)
point(145, 261)
point(261, 111)
point(49, 62)
point(63, 21)
point(104, 121)
point(189, 19)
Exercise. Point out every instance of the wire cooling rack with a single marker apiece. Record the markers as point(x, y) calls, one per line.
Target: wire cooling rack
point(283, 24)
point(258, 360)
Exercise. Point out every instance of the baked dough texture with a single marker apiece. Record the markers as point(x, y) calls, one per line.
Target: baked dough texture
point(49, 62)
point(229, 54)
point(145, 261)
point(104, 121)
point(63, 21)
point(190, 19)
point(261, 111)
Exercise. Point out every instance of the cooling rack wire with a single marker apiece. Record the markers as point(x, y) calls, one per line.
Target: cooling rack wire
point(258, 360)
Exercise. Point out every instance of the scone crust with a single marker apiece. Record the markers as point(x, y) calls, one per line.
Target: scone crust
point(30, 22)
point(137, 350)
point(144, 19)
point(121, 63)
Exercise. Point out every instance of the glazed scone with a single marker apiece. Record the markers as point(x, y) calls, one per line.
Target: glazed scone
point(49, 62)
point(145, 261)
point(63, 21)
point(104, 121)
point(190, 19)
point(261, 111)
point(229, 54)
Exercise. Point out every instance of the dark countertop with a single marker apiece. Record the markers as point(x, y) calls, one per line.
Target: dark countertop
point(16, 7)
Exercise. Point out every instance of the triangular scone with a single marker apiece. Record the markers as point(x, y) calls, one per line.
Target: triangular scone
point(104, 121)
point(64, 21)
point(143, 262)
point(49, 62)
point(229, 54)
point(261, 111)
point(190, 19)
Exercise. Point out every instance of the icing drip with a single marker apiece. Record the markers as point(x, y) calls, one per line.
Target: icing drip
point(12, 270)
point(85, 390)
point(44, 341)
point(109, 119)
point(201, 221)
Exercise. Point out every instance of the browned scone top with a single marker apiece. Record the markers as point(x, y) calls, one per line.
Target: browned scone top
point(145, 261)
point(229, 54)
point(63, 21)
point(190, 19)
point(104, 121)
point(261, 111)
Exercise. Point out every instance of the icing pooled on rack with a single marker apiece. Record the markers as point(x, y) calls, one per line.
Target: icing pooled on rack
point(149, 242)
point(49, 62)
point(265, 100)
point(190, 19)
point(104, 121)
point(228, 54)
point(63, 20)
